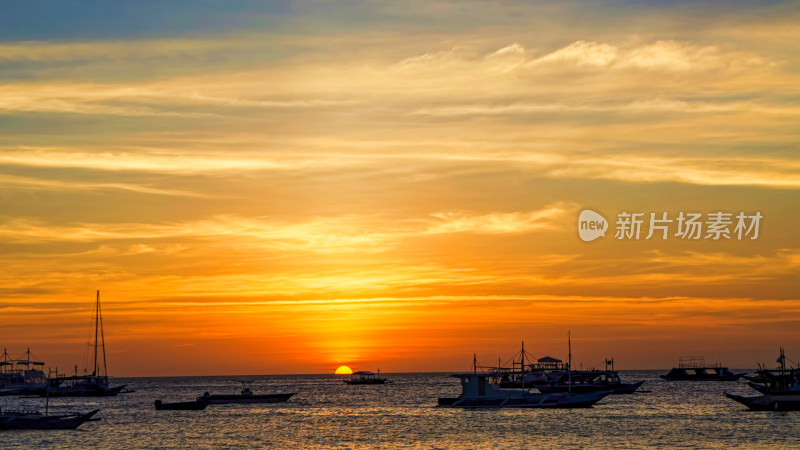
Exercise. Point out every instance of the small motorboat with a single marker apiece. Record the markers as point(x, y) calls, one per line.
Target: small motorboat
point(181, 406)
point(246, 396)
point(34, 420)
point(365, 377)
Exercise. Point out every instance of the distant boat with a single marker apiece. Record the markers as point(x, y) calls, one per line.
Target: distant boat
point(93, 385)
point(365, 377)
point(482, 390)
point(33, 420)
point(21, 376)
point(246, 396)
point(182, 406)
point(694, 368)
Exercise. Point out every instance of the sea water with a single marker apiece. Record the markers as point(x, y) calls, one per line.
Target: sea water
point(402, 414)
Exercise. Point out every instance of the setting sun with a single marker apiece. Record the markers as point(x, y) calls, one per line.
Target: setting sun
point(344, 370)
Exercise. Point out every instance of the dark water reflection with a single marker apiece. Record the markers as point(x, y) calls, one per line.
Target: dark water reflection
point(327, 412)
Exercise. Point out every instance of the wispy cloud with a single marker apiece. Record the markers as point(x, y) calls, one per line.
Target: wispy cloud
point(56, 185)
point(516, 222)
point(365, 234)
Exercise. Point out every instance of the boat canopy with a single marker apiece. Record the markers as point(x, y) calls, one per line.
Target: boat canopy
point(363, 372)
point(549, 359)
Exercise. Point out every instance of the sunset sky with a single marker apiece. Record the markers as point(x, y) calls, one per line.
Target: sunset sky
point(285, 187)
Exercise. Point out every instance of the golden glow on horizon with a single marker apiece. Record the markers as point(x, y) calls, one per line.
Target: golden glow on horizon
point(343, 370)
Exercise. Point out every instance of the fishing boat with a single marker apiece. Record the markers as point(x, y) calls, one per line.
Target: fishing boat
point(694, 368)
point(34, 420)
point(87, 385)
point(181, 406)
point(246, 396)
point(365, 377)
point(482, 390)
point(21, 376)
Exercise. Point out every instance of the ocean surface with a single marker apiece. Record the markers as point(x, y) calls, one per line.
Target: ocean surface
point(328, 413)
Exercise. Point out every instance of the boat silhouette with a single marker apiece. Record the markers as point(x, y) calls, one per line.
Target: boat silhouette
point(246, 396)
point(88, 385)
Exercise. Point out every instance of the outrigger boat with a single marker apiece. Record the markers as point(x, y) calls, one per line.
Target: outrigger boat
point(784, 401)
point(482, 390)
point(591, 381)
point(21, 376)
point(694, 368)
point(774, 379)
point(550, 374)
point(88, 385)
point(246, 396)
point(34, 420)
point(365, 377)
point(525, 376)
point(779, 393)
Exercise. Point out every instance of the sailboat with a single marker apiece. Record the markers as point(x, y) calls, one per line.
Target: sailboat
point(87, 385)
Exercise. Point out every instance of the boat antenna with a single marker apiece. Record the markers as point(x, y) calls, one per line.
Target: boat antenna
point(474, 363)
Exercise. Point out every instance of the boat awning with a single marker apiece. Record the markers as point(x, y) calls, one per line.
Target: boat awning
point(549, 359)
point(363, 372)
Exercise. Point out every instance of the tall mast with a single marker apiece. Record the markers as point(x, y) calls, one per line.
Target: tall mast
point(522, 366)
point(569, 364)
point(96, 326)
point(102, 336)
